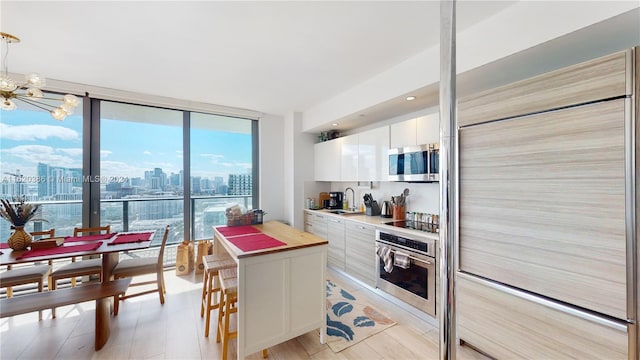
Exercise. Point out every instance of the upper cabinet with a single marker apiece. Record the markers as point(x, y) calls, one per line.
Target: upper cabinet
point(349, 158)
point(327, 160)
point(418, 131)
point(373, 161)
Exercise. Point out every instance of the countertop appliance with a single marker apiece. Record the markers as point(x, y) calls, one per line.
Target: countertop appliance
point(416, 284)
point(335, 200)
point(387, 210)
point(415, 163)
point(371, 206)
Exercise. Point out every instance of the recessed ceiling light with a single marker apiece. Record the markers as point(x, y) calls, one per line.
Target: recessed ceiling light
point(335, 124)
point(409, 98)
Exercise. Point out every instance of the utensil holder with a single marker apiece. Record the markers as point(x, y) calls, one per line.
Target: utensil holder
point(398, 212)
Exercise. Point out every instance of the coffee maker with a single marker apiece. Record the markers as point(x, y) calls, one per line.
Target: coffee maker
point(335, 200)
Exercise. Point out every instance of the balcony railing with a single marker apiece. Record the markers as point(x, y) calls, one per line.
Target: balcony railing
point(139, 214)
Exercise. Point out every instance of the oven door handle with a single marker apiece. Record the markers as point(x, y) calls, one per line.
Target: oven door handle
point(420, 260)
point(416, 259)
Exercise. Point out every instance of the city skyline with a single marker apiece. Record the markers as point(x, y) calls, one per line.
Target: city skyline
point(128, 148)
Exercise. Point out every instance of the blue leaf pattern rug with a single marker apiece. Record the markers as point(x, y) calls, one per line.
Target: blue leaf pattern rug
point(350, 321)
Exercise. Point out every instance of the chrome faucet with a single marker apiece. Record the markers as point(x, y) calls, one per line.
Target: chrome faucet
point(353, 198)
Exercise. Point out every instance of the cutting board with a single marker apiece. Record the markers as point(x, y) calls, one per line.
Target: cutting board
point(321, 197)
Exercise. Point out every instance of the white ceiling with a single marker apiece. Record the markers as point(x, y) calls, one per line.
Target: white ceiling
point(272, 57)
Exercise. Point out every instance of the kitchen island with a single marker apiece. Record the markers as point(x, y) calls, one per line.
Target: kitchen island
point(281, 289)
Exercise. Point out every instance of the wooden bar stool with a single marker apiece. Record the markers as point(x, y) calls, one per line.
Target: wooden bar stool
point(210, 284)
point(229, 297)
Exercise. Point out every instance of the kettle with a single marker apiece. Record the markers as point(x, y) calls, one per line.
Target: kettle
point(386, 211)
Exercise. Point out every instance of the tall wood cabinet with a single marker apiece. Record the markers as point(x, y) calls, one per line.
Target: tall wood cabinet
point(546, 206)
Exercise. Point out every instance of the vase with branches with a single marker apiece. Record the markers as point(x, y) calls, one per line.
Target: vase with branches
point(19, 213)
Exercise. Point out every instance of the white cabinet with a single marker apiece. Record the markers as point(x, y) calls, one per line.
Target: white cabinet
point(327, 160)
point(335, 236)
point(373, 161)
point(428, 129)
point(402, 134)
point(349, 158)
point(360, 251)
point(418, 131)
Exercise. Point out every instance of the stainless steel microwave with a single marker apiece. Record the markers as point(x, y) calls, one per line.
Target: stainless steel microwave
point(415, 163)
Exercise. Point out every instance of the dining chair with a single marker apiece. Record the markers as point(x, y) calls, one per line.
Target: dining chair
point(78, 268)
point(27, 274)
point(142, 266)
point(83, 267)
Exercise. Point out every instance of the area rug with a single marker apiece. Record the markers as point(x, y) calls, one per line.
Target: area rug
point(349, 320)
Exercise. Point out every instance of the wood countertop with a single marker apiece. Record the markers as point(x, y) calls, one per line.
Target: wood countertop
point(292, 237)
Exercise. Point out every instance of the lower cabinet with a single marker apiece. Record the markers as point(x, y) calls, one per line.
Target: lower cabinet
point(360, 252)
point(509, 324)
point(335, 236)
point(315, 224)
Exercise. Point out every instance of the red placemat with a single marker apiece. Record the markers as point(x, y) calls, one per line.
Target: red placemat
point(89, 237)
point(60, 250)
point(237, 230)
point(4, 246)
point(255, 242)
point(131, 238)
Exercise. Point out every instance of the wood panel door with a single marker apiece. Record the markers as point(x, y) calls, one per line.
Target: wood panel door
point(542, 204)
point(602, 78)
point(510, 325)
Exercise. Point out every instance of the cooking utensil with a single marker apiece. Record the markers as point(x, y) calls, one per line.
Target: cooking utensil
point(405, 192)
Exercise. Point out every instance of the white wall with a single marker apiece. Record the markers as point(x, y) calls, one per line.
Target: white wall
point(272, 185)
point(298, 168)
point(521, 26)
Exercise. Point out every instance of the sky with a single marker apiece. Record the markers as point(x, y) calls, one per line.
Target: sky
point(128, 149)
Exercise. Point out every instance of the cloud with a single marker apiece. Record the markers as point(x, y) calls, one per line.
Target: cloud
point(71, 151)
point(105, 153)
point(43, 154)
point(36, 132)
point(213, 156)
point(147, 152)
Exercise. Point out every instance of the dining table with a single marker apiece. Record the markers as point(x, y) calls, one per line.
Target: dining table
point(108, 246)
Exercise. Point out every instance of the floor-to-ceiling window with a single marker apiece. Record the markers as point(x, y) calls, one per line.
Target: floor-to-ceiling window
point(221, 169)
point(41, 161)
point(143, 167)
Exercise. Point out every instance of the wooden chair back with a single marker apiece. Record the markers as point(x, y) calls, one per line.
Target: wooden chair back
point(43, 234)
point(164, 242)
point(86, 231)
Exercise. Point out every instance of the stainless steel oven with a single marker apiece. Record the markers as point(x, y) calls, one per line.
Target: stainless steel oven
point(415, 285)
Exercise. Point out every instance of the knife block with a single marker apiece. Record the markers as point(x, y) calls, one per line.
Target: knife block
point(373, 209)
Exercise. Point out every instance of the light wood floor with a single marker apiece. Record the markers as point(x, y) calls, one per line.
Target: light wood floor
point(144, 329)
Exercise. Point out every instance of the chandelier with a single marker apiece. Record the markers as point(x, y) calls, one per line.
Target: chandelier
point(29, 92)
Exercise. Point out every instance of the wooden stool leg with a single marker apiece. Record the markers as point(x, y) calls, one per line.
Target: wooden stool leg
point(204, 292)
point(221, 305)
point(265, 354)
point(210, 291)
point(225, 334)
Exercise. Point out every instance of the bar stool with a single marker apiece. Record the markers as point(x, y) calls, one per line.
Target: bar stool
point(210, 285)
point(229, 297)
